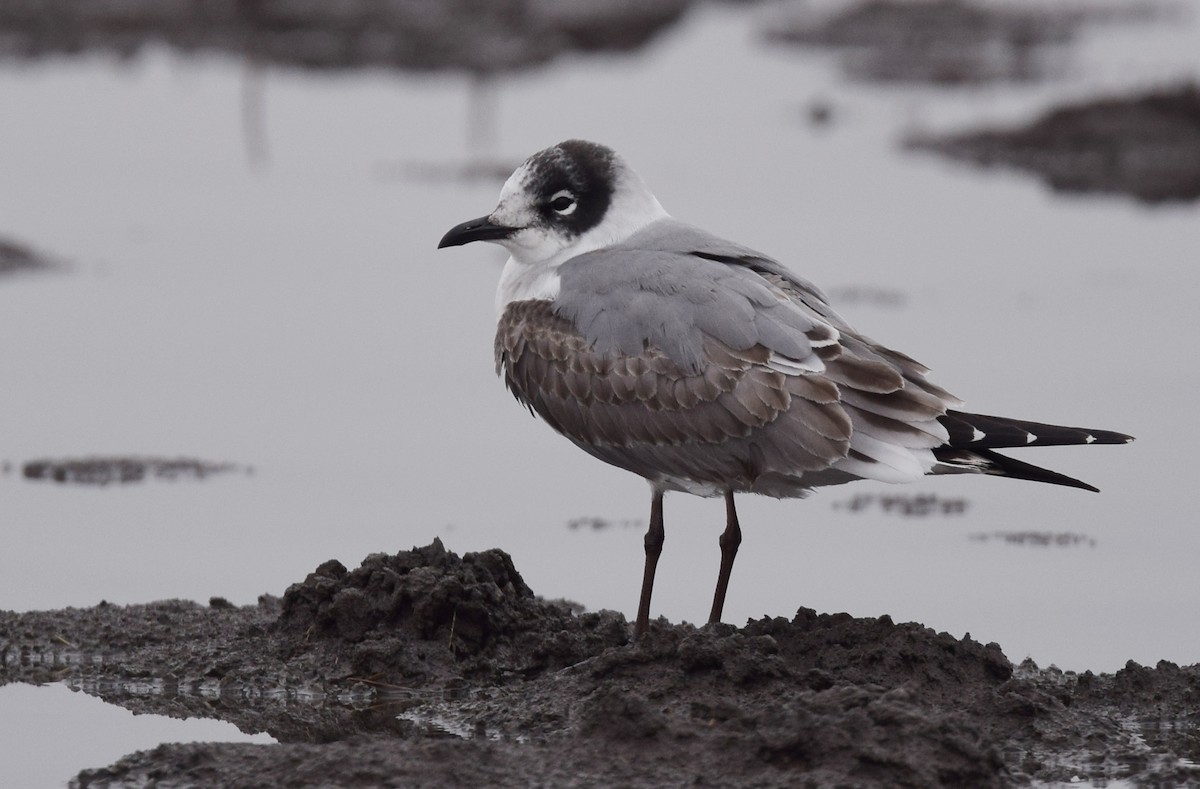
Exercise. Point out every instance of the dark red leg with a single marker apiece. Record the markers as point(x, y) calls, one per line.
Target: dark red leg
point(654, 543)
point(731, 538)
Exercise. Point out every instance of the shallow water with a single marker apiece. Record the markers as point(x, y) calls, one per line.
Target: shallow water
point(295, 318)
point(50, 733)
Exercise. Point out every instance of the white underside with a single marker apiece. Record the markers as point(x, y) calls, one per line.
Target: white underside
point(901, 465)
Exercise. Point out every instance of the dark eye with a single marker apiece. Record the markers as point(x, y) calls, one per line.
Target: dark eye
point(563, 203)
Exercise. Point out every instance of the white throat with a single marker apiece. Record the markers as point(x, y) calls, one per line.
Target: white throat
point(523, 282)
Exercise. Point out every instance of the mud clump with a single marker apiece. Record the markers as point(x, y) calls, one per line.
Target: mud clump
point(427, 668)
point(1145, 146)
point(419, 612)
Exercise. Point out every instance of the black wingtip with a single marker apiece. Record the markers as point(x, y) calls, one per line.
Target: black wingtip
point(1108, 437)
point(980, 431)
point(1004, 466)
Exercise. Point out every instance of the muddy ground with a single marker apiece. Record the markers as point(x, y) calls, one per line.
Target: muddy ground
point(427, 669)
point(950, 42)
point(1146, 146)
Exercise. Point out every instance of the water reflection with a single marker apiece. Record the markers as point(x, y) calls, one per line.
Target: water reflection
point(51, 733)
point(289, 713)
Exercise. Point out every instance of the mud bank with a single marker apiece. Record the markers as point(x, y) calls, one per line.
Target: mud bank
point(1145, 146)
point(427, 669)
point(405, 34)
point(949, 42)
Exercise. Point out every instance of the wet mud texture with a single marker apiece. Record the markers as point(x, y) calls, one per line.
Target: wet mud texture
point(1145, 146)
point(427, 669)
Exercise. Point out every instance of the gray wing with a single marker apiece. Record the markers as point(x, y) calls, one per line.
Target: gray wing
point(677, 351)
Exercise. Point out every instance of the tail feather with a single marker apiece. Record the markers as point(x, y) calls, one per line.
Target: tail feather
point(979, 432)
point(974, 436)
point(985, 461)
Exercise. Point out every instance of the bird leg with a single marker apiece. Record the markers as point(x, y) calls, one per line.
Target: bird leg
point(654, 543)
point(731, 538)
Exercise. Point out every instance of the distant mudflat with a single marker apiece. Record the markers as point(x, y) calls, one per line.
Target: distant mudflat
point(1146, 146)
point(420, 35)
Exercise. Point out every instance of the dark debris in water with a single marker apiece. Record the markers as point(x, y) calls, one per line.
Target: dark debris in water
point(1146, 146)
point(121, 470)
point(597, 523)
point(16, 257)
point(1037, 539)
point(427, 668)
point(947, 42)
point(914, 505)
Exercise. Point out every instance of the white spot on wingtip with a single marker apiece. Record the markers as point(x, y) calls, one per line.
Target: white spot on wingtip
point(1090, 438)
point(978, 435)
point(1030, 438)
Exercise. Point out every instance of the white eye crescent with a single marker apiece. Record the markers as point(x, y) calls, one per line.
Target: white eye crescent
point(563, 203)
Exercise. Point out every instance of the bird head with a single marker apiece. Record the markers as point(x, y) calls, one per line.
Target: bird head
point(568, 199)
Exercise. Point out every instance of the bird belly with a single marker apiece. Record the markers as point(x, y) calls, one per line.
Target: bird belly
point(712, 469)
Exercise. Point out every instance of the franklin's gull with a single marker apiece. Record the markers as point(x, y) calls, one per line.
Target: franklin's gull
point(705, 366)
